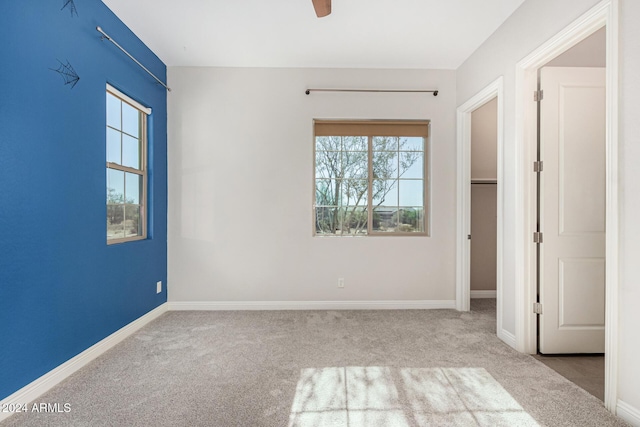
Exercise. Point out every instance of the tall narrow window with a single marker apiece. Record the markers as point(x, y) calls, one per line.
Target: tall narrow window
point(370, 178)
point(126, 168)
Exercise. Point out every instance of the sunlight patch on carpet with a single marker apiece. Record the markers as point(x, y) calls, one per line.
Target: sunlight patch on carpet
point(383, 396)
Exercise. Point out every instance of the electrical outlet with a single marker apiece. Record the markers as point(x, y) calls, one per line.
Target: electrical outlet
point(158, 287)
point(341, 282)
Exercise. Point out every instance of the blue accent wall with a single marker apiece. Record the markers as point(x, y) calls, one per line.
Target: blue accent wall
point(62, 289)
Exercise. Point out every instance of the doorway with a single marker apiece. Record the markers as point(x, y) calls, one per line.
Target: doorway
point(493, 92)
point(484, 204)
point(604, 14)
point(571, 213)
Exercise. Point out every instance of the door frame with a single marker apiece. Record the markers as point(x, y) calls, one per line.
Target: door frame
point(463, 227)
point(604, 14)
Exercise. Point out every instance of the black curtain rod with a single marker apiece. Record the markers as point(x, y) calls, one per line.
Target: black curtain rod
point(435, 92)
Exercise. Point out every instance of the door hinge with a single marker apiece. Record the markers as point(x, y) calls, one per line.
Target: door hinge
point(537, 237)
point(468, 236)
point(538, 95)
point(537, 166)
point(537, 308)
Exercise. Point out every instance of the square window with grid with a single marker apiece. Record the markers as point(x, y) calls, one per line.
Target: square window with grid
point(370, 178)
point(126, 168)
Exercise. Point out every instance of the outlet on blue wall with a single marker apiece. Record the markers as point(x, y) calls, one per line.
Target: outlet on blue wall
point(62, 288)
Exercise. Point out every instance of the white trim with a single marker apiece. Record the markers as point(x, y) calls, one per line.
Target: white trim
point(463, 192)
point(507, 337)
point(38, 387)
point(463, 227)
point(604, 13)
point(613, 214)
point(483, 294)
point(628, 413)
point(128, 99)
point(522, 220)
point(309, 305)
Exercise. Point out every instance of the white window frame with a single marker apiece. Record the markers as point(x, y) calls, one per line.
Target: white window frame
point(392, 124)
point(142, 172)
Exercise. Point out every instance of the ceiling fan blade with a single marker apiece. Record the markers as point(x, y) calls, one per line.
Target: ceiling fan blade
point(322, 7)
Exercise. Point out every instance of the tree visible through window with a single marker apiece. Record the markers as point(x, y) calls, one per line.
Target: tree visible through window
point(370, 178)
point(126, 168)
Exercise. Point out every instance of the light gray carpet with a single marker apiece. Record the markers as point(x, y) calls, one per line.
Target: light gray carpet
point(319, 368)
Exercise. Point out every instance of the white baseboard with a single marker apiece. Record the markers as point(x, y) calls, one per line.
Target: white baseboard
point(37, 388)
point(507, 337)
point(483, 294)
point(628, 413)
point(309, 305)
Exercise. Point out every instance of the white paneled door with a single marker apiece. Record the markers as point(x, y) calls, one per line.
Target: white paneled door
point(572, 210)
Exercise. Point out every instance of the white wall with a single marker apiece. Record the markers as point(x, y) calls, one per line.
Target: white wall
point(526, 29)
point(530, 26)
point(240, 188)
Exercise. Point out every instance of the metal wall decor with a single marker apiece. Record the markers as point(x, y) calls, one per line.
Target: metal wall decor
point(70, 4)
point(67, 72)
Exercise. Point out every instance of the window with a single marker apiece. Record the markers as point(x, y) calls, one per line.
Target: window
point(126, 168)
point(370, 178)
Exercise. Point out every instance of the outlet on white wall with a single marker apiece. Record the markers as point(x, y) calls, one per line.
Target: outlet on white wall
point(341, 282)
point(158, 287)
